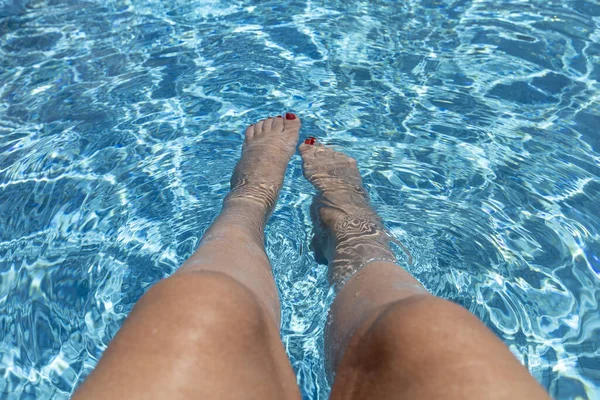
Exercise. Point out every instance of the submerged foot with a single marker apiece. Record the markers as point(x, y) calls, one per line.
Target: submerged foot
point(348, 233)
point(266, 153)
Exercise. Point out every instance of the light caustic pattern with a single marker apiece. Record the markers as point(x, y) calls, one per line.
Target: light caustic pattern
point(475, 124)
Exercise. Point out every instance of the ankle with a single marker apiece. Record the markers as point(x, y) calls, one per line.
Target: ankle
point(244, 218)
point(356, 253)
point(359, 225)
point(352, 197)
point(353, 255)
point(241, 203)
point(261, 196)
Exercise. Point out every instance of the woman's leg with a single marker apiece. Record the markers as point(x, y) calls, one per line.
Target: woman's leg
point(388, 337)
point(211, 331)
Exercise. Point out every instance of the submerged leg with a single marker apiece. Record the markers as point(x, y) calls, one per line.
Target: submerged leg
point(212, 329)
point(388, 338)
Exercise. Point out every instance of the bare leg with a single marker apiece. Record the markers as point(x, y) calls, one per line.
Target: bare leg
point(211, 331)
point(388, 337)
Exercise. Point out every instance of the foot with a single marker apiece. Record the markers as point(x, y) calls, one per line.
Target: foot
point(266, 153)
point(348, 233)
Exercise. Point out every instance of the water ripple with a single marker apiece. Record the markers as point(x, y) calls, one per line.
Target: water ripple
point(474, 123)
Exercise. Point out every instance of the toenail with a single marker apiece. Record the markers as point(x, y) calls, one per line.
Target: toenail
point(290, 116)
point(279, 116)
point(311, 140)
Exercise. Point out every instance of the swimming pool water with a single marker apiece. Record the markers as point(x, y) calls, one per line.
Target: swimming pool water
point(475, 124)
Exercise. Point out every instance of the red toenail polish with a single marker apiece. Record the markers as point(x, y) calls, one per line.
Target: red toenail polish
point(279, 116)
point(290, 116)
point(311, 140)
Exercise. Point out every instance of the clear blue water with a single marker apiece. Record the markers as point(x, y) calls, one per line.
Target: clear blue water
point(475, 123)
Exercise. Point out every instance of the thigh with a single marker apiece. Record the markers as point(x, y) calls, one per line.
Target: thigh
point(195, 335)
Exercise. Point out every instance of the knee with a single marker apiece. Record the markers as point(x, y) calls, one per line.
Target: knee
point(423, 313)
point(423, 316)
point(207, 308)
point(417, 326)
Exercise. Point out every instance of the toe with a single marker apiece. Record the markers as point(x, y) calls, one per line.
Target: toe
point(267, 125)
point(307, 150)
point(291, 123)
point(278, 124)
point(338, 155)
point(322, 151)
point(250, 132)
point(258, 127)
point(342, 157)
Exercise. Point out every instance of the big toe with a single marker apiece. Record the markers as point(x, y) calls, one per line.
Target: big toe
point(312, 154)
point(291, 123)
point(306, 150)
